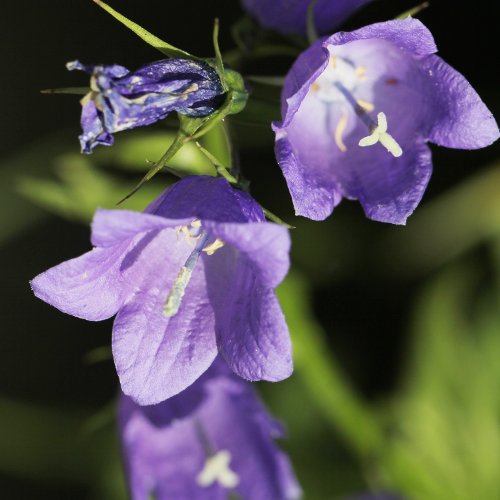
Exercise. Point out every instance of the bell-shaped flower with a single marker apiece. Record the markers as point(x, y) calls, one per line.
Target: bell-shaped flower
point(193, 275)
point(290, 16)
point(121, 100)
point(358, 109)
point(213, 441)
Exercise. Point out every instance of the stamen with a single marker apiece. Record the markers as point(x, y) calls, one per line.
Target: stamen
point(216, 468)
point(213, 247)
point(339, 130)
point(333, 61)
point(366, 105)
point(174, 298)
point(361, 72)
point(379, 134)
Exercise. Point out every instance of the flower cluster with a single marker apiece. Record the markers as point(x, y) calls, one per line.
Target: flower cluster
point(192, 279)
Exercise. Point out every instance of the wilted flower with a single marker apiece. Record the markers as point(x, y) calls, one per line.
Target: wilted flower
point(193, 275)
point(121, 100)
point(213, 441)
point(379, 84)
point(290, 16)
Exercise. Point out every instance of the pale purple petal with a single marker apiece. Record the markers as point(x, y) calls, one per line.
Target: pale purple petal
point(111, 227)
point(249, 323)
point(157, 357)
point(90, 287)
point(407, 34)
point(460, 118)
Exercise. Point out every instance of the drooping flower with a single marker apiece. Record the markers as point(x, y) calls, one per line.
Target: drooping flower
point(380, 84)
point(213, 441)
point(121, 100)
point(192, 276)
point(290, 16)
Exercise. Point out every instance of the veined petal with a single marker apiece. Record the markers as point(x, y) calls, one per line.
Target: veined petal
point(157, 357)
point(460, 119)
point(90, 287)
point(389, 188)
point(249, 323)
point(111, 227)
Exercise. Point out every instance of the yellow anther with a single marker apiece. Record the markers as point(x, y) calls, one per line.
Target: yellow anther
point(196, 223)
point(339, 130)
point(361, 72)
point(216, 468)
point(213, 247)
point(315, 87)
point(366, 105)
point(379, 134)
point(174, 299)
point(333, 61)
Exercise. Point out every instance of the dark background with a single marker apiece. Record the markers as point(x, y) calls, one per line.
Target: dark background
point(42, 349)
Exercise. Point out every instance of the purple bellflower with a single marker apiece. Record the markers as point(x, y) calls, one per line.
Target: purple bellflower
point(213, 441)
point(358, 109)
point(290, 16)
point(193, 275)
point(121, 100)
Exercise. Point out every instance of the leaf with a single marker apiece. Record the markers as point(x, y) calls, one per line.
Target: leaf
point(154, 41)
point(67, 90)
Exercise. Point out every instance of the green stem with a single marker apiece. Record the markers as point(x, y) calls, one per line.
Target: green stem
point(275, 218)
point(219, 167)
point(312, 35)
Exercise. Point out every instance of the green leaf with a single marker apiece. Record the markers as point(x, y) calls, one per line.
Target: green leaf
point(80, 189)
point(164, 47)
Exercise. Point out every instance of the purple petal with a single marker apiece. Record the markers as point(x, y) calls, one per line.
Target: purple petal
point(460, 118)
point(389, 188)
point(249, 324)
point(89, 287)
point(408, 34)
point(93, 130)
point(157, 357)
point(111, 227)
point(206, 198)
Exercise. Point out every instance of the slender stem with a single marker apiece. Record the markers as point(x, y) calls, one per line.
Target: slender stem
point(275, 218)
point(219, 167)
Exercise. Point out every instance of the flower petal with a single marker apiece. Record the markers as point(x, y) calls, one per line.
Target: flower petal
point(89, 287)
point(111, 227)
point(157, 357)
point(460, 118)
point(389, 188)
point(249, 323)
point(206, 198)
point(408, 34)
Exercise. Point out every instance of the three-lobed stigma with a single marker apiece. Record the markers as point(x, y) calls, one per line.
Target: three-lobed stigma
point(216, 469)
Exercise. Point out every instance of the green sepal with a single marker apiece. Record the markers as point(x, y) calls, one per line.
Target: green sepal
point(164, 47)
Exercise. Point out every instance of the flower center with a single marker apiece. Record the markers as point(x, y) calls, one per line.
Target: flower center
point(216, 468)
point(199, 239)
point(337, 86)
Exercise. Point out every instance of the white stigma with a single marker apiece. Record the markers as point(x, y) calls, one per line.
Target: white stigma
point(379, 134)
point(216, 468)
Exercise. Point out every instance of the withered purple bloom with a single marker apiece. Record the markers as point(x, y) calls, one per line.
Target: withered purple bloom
point(213, 441)
point(290, 16)
point(192, 276)
point(121, 100)
point(358, 109)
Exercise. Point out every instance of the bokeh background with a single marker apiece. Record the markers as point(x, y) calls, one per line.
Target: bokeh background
point(396, 329)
